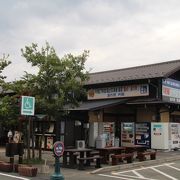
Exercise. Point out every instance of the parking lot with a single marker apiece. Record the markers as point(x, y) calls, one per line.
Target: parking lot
point(163, 171)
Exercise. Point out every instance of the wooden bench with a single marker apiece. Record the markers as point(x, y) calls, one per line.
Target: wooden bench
point(94, 153)
point(120, 157)
point(142, 155)
point(88, 161)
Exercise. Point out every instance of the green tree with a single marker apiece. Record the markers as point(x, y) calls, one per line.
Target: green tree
point(8, 112)
point(4, 62)
point(59, 81)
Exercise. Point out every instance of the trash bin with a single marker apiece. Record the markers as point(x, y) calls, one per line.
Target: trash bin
point(11, 149)
point(20, 149)
point(100, 141)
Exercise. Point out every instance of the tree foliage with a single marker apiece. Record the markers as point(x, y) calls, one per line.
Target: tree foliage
point(59, 81)
point(8, 109)
point(4, 62)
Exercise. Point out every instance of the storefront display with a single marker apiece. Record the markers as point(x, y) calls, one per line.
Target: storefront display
point(127, 134)
point(49, 143)
point(108, 131)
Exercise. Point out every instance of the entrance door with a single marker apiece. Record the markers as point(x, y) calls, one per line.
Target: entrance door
point(69, 133)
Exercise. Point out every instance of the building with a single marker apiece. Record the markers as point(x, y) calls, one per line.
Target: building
point(149, 93)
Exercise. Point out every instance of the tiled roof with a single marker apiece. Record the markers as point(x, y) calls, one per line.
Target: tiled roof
point(163, 69)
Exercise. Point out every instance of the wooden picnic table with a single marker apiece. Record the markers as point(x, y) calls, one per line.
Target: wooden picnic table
point(106, 151)
point(135, 148)
point(72, 154)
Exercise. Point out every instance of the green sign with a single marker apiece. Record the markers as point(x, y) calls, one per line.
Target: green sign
point(27, 105)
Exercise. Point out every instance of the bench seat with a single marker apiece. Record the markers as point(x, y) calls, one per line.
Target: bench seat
point(142, 155)
point(120, 157)
point(88, 161)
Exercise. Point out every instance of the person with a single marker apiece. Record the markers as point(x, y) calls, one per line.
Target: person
point(16, 137)
point(10, 135)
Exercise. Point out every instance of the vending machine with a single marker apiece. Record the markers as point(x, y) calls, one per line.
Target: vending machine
point(165, 135)
point(107, 131)
point(160, 136)
point(127, 134)
point(143, 134)
point(174, 135)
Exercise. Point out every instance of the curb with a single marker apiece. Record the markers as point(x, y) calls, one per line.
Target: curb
point(136, 164)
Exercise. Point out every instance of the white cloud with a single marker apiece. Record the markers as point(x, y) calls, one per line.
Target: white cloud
point(118, 33)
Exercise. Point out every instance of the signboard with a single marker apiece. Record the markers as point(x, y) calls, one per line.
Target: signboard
point(58, 148)
point(171, 90)
point(119, 91)
point(27, 105)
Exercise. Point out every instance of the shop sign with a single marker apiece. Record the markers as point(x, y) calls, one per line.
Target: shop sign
point(119, 92)
point(171, 90)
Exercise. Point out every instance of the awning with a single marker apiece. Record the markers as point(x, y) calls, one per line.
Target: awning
point(148, 101)
point(97, 104)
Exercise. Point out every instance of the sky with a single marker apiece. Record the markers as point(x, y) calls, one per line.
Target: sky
point(118, 33)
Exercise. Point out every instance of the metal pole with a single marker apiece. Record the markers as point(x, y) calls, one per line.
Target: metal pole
point(28, 141)
point(57, 174)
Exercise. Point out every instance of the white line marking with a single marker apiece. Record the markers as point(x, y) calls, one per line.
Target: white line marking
point(117, 177)
point(137, 174)
point(173, 167)
point(16, 177)
point(136, 177)
point(160, 172)
point(139, 169)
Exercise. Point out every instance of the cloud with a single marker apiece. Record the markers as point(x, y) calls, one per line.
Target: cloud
point(118, 33)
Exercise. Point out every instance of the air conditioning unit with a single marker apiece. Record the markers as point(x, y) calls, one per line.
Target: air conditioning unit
point(80, 144)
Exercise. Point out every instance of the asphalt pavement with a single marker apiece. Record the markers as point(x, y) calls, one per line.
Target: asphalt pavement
point(46, 170)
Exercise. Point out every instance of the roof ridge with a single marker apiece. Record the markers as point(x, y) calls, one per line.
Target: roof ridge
point(136, 67)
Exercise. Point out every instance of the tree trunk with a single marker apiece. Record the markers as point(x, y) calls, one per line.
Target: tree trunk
point(40, 145)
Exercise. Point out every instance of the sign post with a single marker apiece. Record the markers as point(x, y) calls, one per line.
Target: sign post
point(27, 109)
point(58, 150)
point(27, 105)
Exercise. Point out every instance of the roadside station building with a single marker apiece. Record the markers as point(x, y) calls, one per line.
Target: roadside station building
point(149, 93)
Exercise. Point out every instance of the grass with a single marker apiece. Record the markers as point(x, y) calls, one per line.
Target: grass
point(33, 161)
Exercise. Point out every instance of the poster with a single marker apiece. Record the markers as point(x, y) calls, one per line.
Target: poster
point(49, 143)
